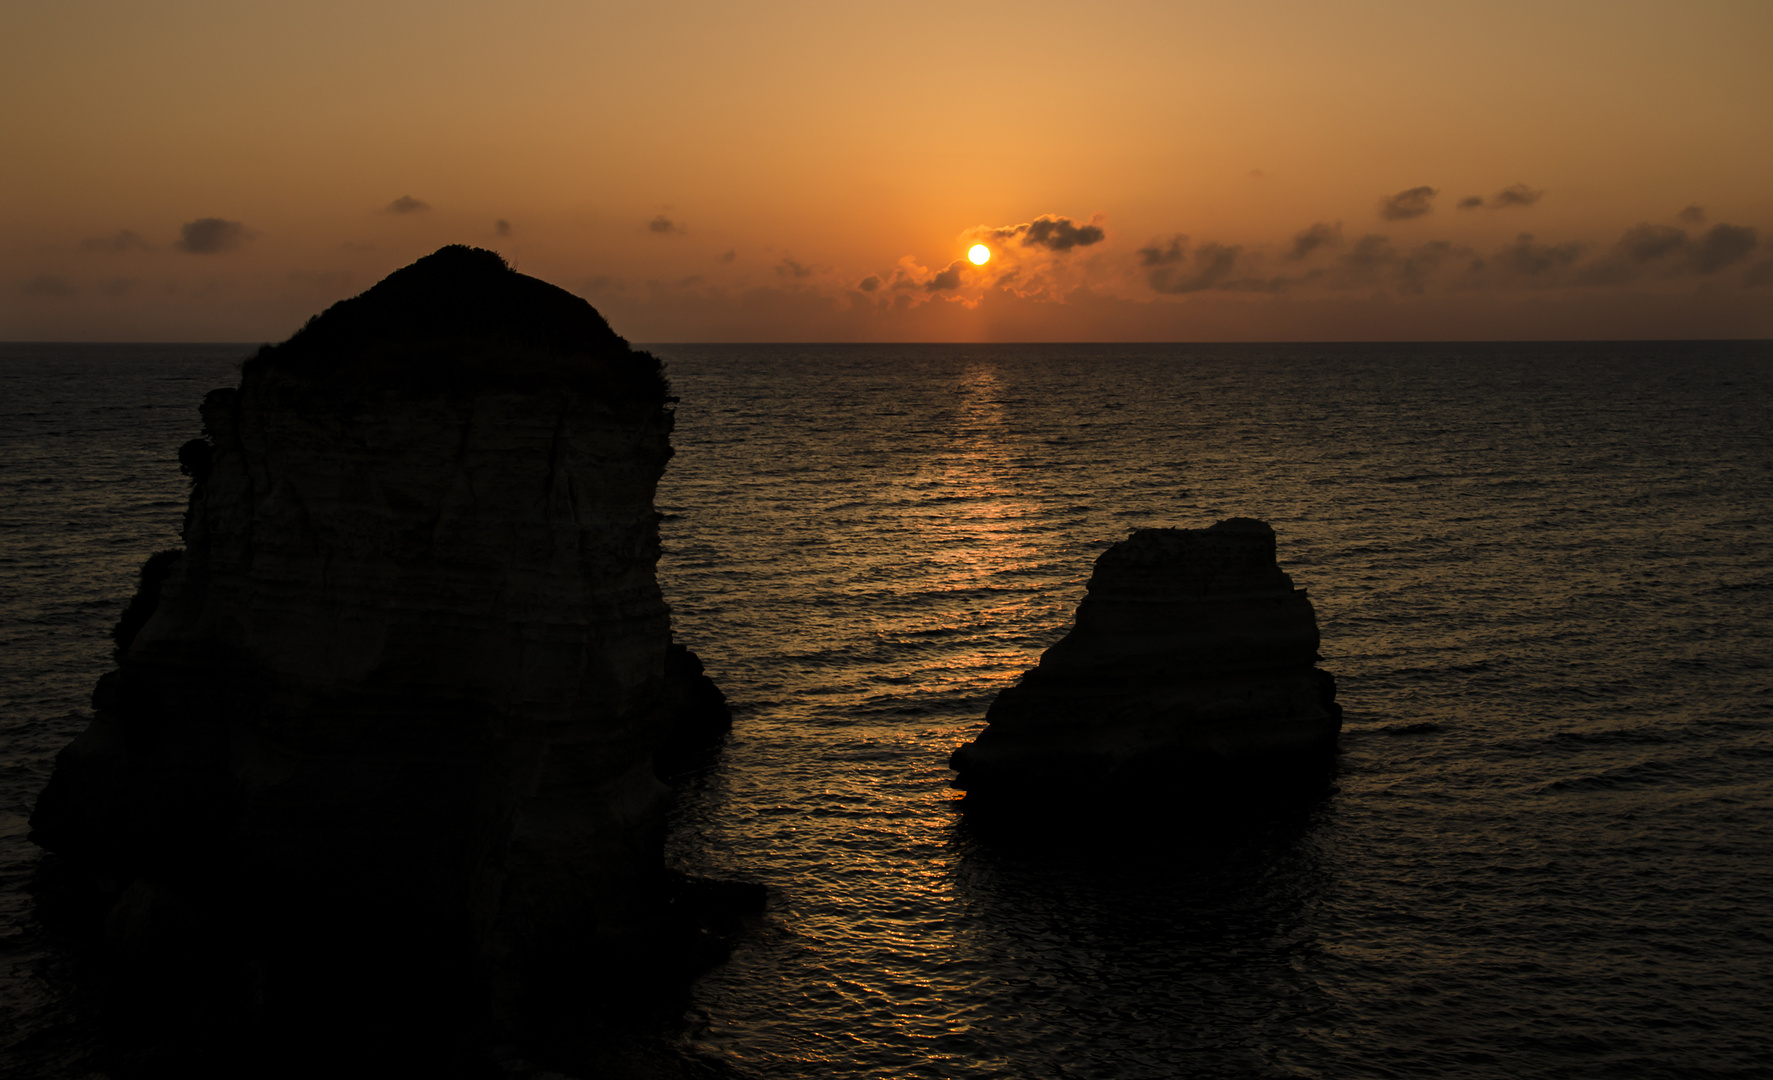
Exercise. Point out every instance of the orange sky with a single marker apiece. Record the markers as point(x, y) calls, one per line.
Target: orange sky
point(812, 171)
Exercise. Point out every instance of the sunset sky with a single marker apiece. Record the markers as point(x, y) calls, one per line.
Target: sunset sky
point(770, 171)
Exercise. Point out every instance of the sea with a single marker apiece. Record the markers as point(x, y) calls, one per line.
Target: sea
point(1543, 573)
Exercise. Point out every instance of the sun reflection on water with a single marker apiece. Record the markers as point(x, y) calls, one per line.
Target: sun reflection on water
point(867, 545)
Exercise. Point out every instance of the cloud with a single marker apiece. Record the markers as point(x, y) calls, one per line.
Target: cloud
point(1058, 234)
point(1759, 274)
point(1156, 255)
point(664, 226)
point(1529, 259)
point(869, 283)
point(502, 227)
point(406, 204)
point(1636, 248)
point(1322, 234)
point(1052, 232)
point(1421, 263)
point(120, 241)
point(1692, 215)
point(1371, 253)
point(1408, 204)
point(208, 236)
point(47, 285)
point(1172, 271)
point(789, 268)
point(1515, 195)
point(1512, 195)
point(1373, 261)
point(1647, 243)
point(728, 257)
point(947, 279)
point(1721, 246)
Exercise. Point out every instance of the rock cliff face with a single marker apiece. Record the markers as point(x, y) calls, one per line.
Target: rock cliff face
point(388, 721)
point(1192, 653)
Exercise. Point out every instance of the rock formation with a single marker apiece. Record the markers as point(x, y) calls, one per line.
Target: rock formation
point(1192, 653)
point(386, 726)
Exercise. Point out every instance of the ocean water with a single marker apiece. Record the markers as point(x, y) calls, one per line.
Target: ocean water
point(1544, 577)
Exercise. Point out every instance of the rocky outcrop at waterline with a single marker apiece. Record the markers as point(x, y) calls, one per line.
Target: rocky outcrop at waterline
point(1193, 658)
point(381, 738)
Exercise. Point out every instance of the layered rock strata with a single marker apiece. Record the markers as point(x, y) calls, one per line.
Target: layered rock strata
point(388, 721)
point(1192, 653)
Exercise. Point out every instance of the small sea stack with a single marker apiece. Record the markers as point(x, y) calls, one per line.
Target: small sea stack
point(379, 753)
point(1192, 662)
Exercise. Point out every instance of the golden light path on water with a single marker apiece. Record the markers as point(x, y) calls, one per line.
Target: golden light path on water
point(1544, 575)
point(866, 544)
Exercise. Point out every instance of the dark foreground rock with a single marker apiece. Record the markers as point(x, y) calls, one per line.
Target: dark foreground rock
point(377, 764)
point(1192, 665)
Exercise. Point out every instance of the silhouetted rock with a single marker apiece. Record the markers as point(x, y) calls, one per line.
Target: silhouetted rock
point(1192, 659)
point(379, 752)
point(696, 713)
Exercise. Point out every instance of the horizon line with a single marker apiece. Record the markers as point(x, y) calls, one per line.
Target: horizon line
point(1006, 344)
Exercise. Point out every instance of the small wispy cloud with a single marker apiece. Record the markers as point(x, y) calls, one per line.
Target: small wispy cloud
point(1512, 196)
point(1528, 258)
point(1721, 246)
point(664, 226)
point(1647, 243)
point(501, 227)
point(1052, 232)
point(406, 204)
point(1515, 195)
point(210, 236)
point(1666, 251)
point(1411, 203)
point(946, 279)
point(1321, 235)
point(1171, 270)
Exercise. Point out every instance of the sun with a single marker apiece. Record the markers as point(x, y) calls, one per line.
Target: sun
point(980, 254)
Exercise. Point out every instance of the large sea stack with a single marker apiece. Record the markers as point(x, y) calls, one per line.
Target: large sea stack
point(380, 740)
point(1192, 661)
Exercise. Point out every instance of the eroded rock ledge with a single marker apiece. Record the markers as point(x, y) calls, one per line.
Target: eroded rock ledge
point(1193, 657)
point(380, 743)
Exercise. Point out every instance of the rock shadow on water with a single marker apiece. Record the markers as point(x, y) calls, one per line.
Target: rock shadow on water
point(1140, 940)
